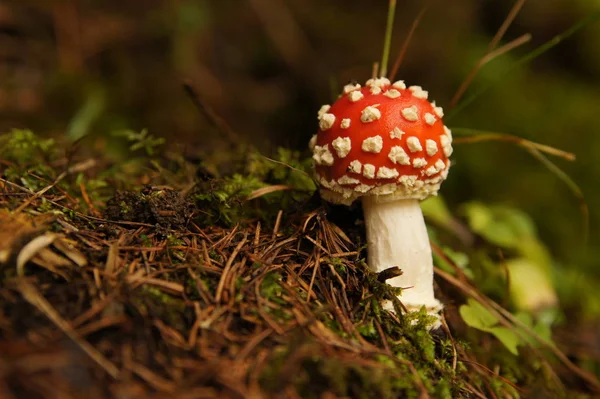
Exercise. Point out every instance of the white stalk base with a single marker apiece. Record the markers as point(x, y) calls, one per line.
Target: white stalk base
point(396, 236)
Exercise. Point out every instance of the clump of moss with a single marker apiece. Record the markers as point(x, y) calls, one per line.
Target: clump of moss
point(152, 302)
point(27, 155)
point(262, 188)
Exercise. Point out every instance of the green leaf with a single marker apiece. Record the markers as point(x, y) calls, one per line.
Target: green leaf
point(477, 316)
point(525, 274)
point(509, 338)
point(501, 225)
point(543, 330)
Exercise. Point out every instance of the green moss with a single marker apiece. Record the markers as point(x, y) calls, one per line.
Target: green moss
point(152, 301)
point(229, 200)
point(23, 146)
point(141, 141)
point(146, 241)
point(214, 255)
point(367, 330)
point(315, 374)
point(270, 288)
point(203, 283)
point(338, 264)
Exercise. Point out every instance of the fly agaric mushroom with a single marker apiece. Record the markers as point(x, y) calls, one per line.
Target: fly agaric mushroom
point(386, 144)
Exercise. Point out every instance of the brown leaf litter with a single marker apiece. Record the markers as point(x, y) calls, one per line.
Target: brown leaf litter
point(146, 303)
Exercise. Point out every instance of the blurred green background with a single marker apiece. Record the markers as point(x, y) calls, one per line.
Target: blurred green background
point(77, 67)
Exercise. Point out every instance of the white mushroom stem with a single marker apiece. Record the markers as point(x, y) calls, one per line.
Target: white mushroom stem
point(396, 236)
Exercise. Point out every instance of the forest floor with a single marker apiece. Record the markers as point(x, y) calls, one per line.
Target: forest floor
point(183, 285)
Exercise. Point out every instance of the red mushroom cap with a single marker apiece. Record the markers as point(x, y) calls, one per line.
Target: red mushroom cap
point(382, 139)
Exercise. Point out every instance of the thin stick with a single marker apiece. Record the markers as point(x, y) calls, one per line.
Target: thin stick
point(277, 224)
point(477, 136)
point(268, 190)
point(314, 273)
point(487, 58)
point(559, 173)
point(210, 114)
point(387, 42)
point(227, 268)
point(407, 41)
point(286, 165)
point(374, 70)
point(507, 22)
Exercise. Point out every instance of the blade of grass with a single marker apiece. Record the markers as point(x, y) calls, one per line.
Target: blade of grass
point(286, 165)
point(575, 189)
point(268, 190)
point(486, 59)
point(407, 41)
point(388, 38)
point(505, 25)
point(582, 23)
point(207, 111)
point(491, 54)
point(478, 136)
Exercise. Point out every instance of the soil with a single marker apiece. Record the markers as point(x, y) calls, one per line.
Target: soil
point(165, 208)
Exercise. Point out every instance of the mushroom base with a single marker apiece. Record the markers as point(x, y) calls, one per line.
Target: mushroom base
point(397, 236)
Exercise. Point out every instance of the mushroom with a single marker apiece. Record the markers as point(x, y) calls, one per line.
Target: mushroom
point(386, 144)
